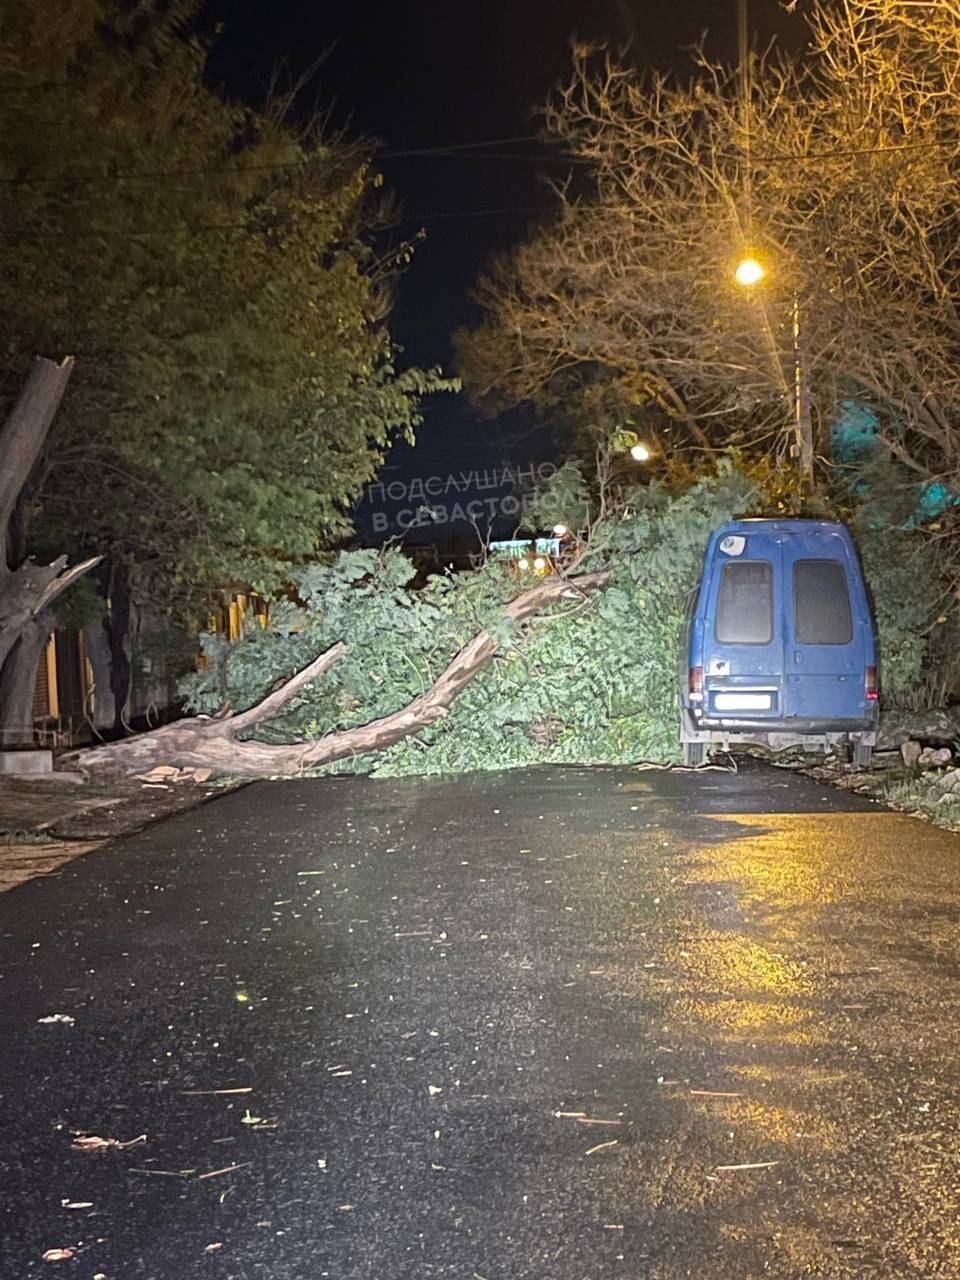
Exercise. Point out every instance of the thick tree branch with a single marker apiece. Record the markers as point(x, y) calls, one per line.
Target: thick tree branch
point(214, 744)
point(24, 432)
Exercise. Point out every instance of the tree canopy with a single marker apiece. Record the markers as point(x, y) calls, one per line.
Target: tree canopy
point(213, 269)
point(836, 169)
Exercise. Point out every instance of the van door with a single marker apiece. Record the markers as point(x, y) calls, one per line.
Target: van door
point(743, 635)
point(824, 641)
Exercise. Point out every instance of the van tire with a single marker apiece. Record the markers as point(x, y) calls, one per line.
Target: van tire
point(862, 755)
point(694, 754)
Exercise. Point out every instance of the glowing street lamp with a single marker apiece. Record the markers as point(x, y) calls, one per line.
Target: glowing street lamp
point(640, 452)
point(749, 272)
point(560, 530)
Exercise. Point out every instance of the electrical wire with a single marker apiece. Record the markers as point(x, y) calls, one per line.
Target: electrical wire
point(453, 152)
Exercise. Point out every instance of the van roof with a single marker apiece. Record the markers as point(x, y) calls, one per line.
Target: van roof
point(760, 524)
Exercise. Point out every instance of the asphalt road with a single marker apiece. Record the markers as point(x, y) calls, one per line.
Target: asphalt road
point(554, 1025)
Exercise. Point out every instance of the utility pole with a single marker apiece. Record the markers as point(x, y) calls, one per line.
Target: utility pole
point(801, 402)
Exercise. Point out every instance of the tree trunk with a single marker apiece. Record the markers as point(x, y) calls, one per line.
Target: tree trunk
point(27, 590)
point(25, 431)
point(116, 624)
point(214, 743)
point(18, 680)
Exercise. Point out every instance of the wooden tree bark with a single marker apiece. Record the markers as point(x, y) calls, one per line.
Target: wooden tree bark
point(26, 590)
point(216, 743)
point(17, 679)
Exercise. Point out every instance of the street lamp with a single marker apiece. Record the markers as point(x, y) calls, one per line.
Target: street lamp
point(640, 452)
point(750, 272)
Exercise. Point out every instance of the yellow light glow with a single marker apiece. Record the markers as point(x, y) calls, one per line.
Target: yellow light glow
point(640, 453)
point(749, 272)
point(539, 564)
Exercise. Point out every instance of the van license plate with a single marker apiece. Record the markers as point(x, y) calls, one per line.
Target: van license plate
point(741, 701)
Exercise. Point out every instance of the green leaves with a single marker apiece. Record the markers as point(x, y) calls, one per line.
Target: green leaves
point(214, 271)
point(594, 682)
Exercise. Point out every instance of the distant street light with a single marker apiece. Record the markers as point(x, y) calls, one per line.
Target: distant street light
point(560, 530)
point(640, 453)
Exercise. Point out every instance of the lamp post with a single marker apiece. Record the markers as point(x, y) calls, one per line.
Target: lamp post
point(749, 273)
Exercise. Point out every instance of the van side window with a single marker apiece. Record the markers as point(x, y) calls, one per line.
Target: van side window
point(821, 602)
point(745, 602)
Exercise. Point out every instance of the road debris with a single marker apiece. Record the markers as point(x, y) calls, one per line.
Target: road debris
point(601, 1146)
point(91, 1142)
point(58, 1255)
point(215, 1093)
point(215, 1173)
point(735, 1168)
point(58, 1017)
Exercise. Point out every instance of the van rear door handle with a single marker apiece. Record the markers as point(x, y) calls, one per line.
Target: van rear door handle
point(798, 656)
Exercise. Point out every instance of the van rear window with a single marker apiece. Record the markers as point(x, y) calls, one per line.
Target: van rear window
point(745, 603)
point(821, 602)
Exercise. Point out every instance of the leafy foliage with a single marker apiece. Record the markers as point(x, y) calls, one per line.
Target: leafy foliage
point(592, 682)
point(211, 267)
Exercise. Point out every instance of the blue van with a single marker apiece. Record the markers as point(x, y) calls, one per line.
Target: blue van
point(779, 644)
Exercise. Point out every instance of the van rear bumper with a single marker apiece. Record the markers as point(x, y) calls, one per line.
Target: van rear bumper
point(786, 724)
point(778, 734)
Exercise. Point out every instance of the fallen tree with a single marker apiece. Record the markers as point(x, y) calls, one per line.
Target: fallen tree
point(27, 589)
point(215, 742)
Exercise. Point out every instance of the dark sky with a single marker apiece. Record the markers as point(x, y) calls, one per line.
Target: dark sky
point(431, 74)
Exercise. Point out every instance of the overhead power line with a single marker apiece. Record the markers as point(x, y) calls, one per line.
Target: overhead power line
point(455, 151)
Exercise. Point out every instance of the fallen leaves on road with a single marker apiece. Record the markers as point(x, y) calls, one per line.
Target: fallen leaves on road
point(258, 1122)
point(58, 1017)
point(59, 1255)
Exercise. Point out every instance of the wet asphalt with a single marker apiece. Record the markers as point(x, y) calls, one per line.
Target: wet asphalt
point(563, 1024)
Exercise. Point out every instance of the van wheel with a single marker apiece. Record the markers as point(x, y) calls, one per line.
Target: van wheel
point(694, 754)
point(862, 755)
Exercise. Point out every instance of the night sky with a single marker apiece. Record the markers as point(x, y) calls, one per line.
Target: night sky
point(433, 75)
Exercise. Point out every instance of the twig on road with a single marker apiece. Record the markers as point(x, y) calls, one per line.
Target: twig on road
point(735, 1168)
point(601, 1146)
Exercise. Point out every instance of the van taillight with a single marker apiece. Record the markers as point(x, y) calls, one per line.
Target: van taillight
point(696, 684)
point(872, 692)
